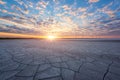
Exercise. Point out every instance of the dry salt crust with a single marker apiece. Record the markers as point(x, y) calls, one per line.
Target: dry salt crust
point(59, 60)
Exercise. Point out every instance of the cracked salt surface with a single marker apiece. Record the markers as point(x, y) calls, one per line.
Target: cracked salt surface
point(59, 60)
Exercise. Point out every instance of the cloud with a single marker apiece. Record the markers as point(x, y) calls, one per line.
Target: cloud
point(93, 1)
point(2, 2)
point(4, 11)
point(66, 7)
point(45, 17)
point(82, 9)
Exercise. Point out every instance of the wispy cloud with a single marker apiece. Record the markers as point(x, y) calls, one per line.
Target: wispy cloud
point(2, 2)
point(93, 1)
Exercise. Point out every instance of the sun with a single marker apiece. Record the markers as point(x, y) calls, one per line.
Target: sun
point(51, 37)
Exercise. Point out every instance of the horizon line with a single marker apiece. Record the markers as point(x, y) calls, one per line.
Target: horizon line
point(6, 35)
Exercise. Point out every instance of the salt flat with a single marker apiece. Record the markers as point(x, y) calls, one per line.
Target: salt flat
point(30, 59)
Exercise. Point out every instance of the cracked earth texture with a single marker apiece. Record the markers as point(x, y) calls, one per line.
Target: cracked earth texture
point(59, 60)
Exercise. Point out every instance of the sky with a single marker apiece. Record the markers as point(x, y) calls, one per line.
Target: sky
point(60, 17)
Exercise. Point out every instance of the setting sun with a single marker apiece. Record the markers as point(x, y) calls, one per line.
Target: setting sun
point(51, 37)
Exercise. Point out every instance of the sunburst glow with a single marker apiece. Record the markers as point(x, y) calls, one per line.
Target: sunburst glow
point(51, 37)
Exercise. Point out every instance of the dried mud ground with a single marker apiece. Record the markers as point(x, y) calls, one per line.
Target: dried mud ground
point(59, 60)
